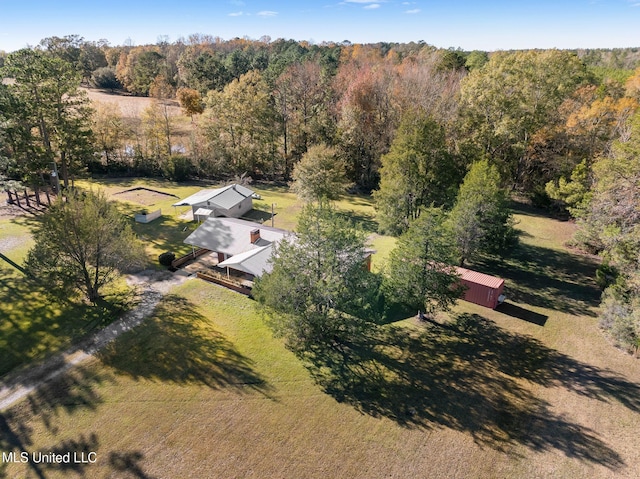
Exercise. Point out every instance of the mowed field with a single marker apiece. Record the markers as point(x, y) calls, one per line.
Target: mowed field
point(203, 390)
point(130, 106)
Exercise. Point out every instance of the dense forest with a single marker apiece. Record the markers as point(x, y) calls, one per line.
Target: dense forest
point(407, 121)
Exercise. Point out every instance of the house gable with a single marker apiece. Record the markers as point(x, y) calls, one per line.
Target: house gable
point(231, 201)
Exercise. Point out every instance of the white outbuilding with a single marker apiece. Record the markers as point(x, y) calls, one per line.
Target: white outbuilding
point(232, 201)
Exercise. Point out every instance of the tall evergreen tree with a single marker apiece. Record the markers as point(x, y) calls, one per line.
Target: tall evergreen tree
point(420, 271)
point(417, 172)
point(319, 290)
point(54, 118)
point(481, 219)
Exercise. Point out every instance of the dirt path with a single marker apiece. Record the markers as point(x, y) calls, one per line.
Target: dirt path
point(153, 284)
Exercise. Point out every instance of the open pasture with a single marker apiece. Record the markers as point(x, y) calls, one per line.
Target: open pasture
point(130, 106)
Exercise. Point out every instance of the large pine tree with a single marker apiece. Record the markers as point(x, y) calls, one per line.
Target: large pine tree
point(481, 219)
point(420, 272)
point(319, 290)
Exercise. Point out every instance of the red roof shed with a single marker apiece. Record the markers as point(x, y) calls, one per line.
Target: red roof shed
point(482, 289)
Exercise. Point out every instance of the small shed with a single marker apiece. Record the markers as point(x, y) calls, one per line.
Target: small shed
point(482, 289)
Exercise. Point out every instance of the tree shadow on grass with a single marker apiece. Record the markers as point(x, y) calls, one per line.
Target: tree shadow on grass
point(366, 222)
point(36, 323)
point(78, 450)
point(546, 278)
point(166, 233)
point(467, 376)
point(129, 463)
point(30, 219)
point(70, 392)
point(258, 216)
point(525, 208)
point(179, 345)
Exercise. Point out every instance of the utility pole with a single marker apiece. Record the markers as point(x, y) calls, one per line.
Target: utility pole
point(56, 177)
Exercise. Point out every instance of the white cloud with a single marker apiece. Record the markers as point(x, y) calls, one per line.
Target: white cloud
point(267, 13)
point(236, 14)
point(413, 12)
point(372, 6)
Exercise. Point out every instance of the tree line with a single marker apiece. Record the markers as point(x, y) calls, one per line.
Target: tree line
point(405, 121)
point(258, 105)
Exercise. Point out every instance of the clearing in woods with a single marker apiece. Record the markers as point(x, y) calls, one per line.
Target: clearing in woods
point(130, 106)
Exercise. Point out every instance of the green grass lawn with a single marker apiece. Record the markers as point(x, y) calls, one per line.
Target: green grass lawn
point(15, 238)
point(202, 389)
point(37, 324)
point(34, 323)
point(168, 232)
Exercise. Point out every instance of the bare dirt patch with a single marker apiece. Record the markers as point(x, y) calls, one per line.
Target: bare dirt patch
point(143, 196)
point(10, 242)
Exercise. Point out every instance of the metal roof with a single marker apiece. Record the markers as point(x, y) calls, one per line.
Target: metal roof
point(232, 236)
point(199, 197)
point(255, 261)
point(226, 197)
point(479, 278)
point(203, 212)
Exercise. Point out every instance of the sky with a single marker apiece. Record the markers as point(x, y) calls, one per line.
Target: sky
point(465, 24)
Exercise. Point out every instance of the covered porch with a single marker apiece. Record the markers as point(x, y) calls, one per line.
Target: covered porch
point(207, 266)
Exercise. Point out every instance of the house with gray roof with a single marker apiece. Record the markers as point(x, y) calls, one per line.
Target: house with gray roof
point(240, 245)
point(233, 201)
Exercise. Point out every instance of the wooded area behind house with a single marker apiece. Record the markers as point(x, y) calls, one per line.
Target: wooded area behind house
point(256, 107)
point(407, 121)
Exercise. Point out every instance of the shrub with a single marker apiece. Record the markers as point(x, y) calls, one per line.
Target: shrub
point(606, 275)
point(179, 168)
point(166, 258)
point(105, 78)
